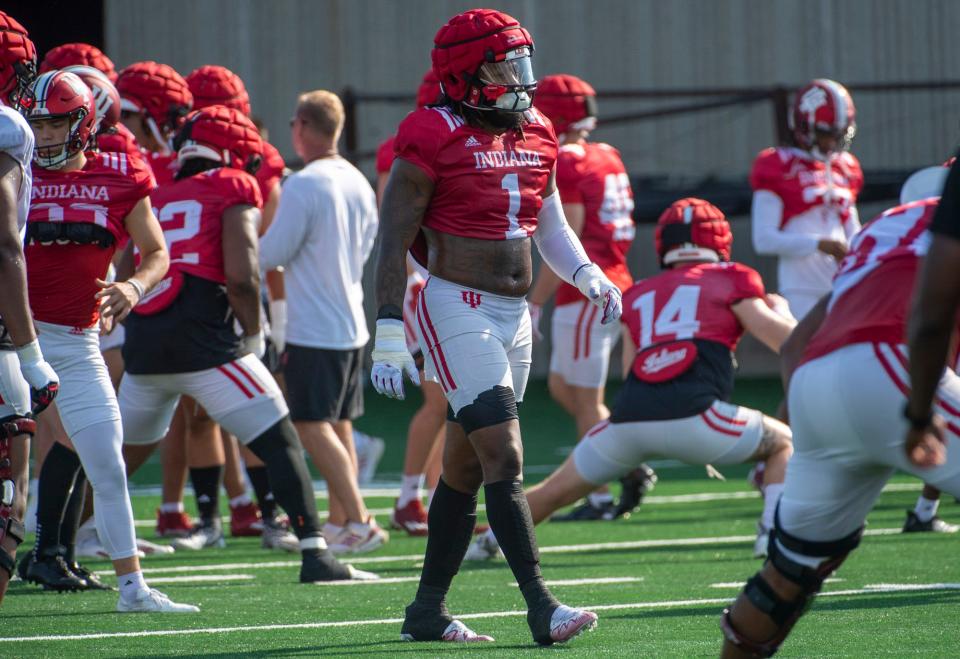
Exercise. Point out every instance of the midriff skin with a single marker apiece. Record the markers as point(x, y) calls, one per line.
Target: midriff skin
point(500, 267)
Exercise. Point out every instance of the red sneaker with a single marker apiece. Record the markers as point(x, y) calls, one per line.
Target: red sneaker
point(173, 525)
point(412, 518)
point(245, 521)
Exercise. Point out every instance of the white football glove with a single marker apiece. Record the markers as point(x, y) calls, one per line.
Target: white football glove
point(536, 311)
point(278, 324)
point(391, 358)
point(598, 289)
point(255, 345)
point(43, 380)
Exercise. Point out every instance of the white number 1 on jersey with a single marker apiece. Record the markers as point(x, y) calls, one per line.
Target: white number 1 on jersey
point(511, 183)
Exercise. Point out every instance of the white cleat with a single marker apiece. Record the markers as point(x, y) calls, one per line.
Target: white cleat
point(147, 548)
point(483, 548)
point(361, 575)
point(456, 632)
point(153, 601)
point(566, 623)
point(275, 536)
point(359, 538)
point(201, 537)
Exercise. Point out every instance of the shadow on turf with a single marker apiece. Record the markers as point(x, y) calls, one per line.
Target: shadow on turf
point(373, 647)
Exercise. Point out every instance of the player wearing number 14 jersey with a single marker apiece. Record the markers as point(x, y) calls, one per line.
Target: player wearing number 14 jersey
point(684, 325)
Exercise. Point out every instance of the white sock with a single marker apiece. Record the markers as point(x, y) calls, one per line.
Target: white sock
point(771, 496)
point(598, 500)
point(171, 507)
point(926, 509)
point(410, 488)
point(242, 500)
point(131, 584)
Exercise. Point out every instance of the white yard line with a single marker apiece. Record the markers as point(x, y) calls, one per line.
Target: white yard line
point(739, 584)
point(469, 616)
point(202, 578)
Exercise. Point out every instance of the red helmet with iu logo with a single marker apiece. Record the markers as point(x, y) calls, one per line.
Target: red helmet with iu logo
point(106, 99)
point(693, 230)
point(218, 85)
point(569, 102)
point(18, 63)
point(60, 94)
point(482, 59)
point(78, 54)
point(221, 134)
point(823, 106)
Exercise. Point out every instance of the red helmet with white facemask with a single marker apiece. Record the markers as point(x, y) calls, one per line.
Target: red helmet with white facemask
point(823, 106)
point(692, 229)
point(60, 94)
point(159, 93)
point(106, 99)
point(222, 134)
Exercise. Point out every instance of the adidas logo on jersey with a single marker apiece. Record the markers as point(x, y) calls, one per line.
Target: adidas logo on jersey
point(472, 141)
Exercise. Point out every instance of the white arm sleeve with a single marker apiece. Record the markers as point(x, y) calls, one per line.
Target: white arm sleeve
point(558, 244)
point(852, 226)
point(768, 238)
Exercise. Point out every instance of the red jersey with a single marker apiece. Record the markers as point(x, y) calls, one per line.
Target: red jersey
point(669, 311)
point(592, 174)
point(804, 183)
point(191, 214)
point(61, 272)
point(385, 155)
point(164, 166)
point(873, 287)
point(271, 170)
point(487, 186)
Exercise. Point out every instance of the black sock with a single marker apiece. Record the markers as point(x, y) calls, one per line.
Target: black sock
point(450, 522)
point(261, 486)
point(57, 475)
point(280, 450)
point(71, 516)
point(206, 487)
point(509, 515)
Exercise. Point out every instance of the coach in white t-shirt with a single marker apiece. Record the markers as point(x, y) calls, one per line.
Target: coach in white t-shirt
point(322, 235)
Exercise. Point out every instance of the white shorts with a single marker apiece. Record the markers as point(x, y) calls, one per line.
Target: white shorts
point(114, 339)
point(722, 434)
point(473, 341)
point(846, 411)
point(14, 390)
point(240, 395)
point(581, 346)
point(86, 395)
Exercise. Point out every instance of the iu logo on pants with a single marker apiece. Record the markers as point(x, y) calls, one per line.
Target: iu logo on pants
point(471, 298)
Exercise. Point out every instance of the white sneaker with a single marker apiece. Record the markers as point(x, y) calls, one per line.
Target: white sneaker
point(361, 575)
point(565, 623)
point(275, 536)
point(201, 537)
point(359, 538)
point(153, 601)
point(146, 548)
point(483, 548)
point(88, 542)
point(369, 451)
point(760, 544)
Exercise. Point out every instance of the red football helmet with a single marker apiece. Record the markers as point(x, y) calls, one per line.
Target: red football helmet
point(159, 93)
point(105, 96)
point(569, 102)
point(693, 230)
point(61, 94)
point(221, 134)
point(18, 64)
point(78, 54)
point(482, 59)
point(429, 90)
point(825, 106)
point(218, 85)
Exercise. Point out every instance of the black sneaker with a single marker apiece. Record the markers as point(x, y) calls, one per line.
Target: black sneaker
point(321, 565)
point(93, 581)
point(421, 624)
point(636, 485)
point(934, 525)
point(587, 512)
point(51, 572)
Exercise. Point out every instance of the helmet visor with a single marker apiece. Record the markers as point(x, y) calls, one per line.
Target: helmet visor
point(514, 71)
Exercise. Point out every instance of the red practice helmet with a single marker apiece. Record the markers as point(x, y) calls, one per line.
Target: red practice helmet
point(63, 94)
point(693, 230)
point(222, 134)
point(106, 99)
point(568, 102)
point(482, 59)
point(78, 54)
point(18, 63)
point(158, 92)
point(429, 90)
point(823, 105)
point(218, 85)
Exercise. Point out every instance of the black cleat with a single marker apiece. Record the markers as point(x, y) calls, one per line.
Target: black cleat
point(934, 525)
point(587, 512)
point(322, 566)
point(93, 581)
point(24, 565)
point(52, 572)
point(421, 623)
point(636, 485)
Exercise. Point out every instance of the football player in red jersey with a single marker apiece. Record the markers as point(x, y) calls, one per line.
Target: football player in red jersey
point(210, 216)
point(804, 202)
point(855, 390)
point(684, 325)
point(598, 202)
point(81, 208)
point(474, 181)
point(26, 379)
point(78, 54)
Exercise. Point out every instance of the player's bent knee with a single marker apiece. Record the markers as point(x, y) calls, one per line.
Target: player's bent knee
point(492, 407)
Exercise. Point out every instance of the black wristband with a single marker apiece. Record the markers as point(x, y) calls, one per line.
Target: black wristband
point(917, 423)
point(390, 311)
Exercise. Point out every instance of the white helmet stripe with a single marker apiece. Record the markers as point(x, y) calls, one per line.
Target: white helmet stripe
point(839, 96)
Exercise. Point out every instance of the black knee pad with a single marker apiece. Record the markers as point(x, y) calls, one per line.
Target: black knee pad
point(491, 407)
